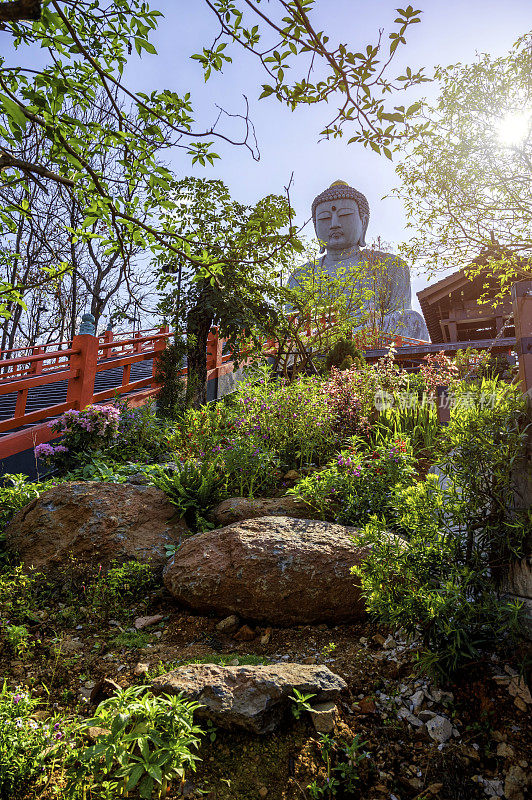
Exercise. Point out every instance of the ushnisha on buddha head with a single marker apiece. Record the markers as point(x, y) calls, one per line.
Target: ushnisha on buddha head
point(341, 215)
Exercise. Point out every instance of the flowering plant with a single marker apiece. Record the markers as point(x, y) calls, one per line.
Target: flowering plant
point(359, 482)
point(27, 747)
point(82, 432)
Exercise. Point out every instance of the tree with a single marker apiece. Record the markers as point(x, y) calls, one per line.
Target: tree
point(88, 46)
point(284, 37)
point(466, 177)
point(244, 302)
point(93, 277)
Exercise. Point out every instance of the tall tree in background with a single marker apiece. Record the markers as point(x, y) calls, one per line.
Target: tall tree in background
point(244, 301)
point(466, 178)
point(88, 46)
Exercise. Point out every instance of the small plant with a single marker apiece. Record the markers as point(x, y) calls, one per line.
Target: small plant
point(300, 703)
point(17, 637)
point(340, 760)
point(327, 650)
point(194, 489)
point(82, 432)
point(28, 748)
point(132, 640)
point(148, 744)
point(16, 493)
point(112, 593)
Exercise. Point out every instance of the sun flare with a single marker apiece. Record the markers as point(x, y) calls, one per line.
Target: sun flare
point(514, 128)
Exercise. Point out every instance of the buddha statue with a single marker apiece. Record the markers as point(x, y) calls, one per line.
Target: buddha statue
point(341, 216)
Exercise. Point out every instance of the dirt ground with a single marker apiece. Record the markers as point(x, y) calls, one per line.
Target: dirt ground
point(488, 753)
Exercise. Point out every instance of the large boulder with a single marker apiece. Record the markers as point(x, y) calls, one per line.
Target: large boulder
point(97, 523)
point(281, 570)
point(253, 698)
point(236, 509)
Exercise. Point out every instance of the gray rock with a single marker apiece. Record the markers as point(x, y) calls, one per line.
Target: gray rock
point(251, 698)
point(405, 714)
point(228, 624)
point(417, 700)
point(324, 716)
point(516, 783)
point(440, 729)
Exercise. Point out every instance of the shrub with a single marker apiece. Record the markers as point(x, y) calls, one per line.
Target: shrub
point(422, 587)
point(483, 451)
point(141, 437)
point(112, 593)
point(149, 743)
point(203, 432)
point(17, 492)
point(291, 421)
point(461, 538)
point(27, 747)
point(359, 482)
point(249, 466)
point(194, 489)
point(82, 432)
point(171, 396)
point(343, 354)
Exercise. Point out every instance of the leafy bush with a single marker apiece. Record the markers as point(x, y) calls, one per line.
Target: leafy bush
point(250, 467)
point(194, 489)
point(150, 742)
point(441, 583)
point(359, 482)
point(17, 492)
point(82, 432)
point(420, 586)
point(292, 421)
point(483, 450)
point(142, 436)
point(171, 396)
point(27, 747)
point(343, 354)
point(112, 593)
point(204, 432)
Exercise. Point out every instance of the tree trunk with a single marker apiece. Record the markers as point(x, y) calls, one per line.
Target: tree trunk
point(199, 323)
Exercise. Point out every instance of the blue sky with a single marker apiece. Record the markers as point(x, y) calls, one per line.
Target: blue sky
point(450, 31)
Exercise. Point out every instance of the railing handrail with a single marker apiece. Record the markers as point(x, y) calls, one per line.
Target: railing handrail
point(11, 362)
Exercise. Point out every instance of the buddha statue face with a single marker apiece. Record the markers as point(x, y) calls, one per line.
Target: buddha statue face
point(339, 224)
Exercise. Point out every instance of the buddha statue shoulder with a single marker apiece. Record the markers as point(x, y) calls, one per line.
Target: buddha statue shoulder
point(341, 216)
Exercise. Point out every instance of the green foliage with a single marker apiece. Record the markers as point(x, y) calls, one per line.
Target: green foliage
point(142, 435)
point(251, 468)
point(409, 417)
point(291, 420)
point(17, 637)
point(149, 743)
point(439, 581)
point(483, 451)
point(342, 763)
point(359, 482)
point(113, 592)
point(28, 748)
point(131, 640)
point(171, 395)
point(467, 167)
point(300, 703)
point(16, 493)
point(194, 488)
point(358, 78)
point(343, 354)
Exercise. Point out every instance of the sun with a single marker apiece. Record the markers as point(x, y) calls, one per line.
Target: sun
point(514, 128)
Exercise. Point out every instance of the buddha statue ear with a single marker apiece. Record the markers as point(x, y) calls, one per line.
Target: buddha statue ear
point(364, 218)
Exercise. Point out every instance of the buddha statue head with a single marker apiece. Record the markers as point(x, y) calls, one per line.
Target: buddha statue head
point(341, 215)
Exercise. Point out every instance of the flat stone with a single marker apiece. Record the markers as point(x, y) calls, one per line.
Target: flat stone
point(323, 716)
point(439, 729)
point(253, 698)
point(245, 634)
point(228, 624)
point(405, 714)
point(141, 669)
point(145, 622)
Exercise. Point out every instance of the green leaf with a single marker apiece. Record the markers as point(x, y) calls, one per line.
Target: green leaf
point(13, 111)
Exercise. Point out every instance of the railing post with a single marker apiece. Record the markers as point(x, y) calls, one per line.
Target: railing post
point(80, 390)
point(522, 303)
